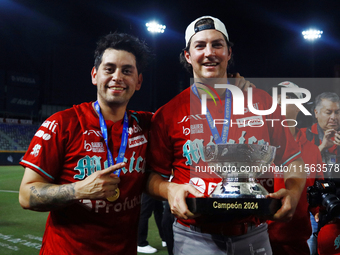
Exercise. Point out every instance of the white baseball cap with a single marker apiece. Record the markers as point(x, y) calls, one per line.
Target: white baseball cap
point(191, 30)
point(288, 84)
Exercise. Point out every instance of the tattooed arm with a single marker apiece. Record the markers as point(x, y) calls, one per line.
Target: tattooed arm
point(38, 194)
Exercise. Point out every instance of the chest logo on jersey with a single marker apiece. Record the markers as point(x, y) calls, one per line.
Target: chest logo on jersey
point(201, 186)
point(104, 206)
point(186, 131)
point(194, 129)
point(255, 106)
point(89, 165)
point(194, 117)
point(135, 129)
point(95, 132)
point(94, 146)
point(137, 141)
point(193, 151)
point(252, 121)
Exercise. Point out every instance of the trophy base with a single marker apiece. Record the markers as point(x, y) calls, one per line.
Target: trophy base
point(234, 206)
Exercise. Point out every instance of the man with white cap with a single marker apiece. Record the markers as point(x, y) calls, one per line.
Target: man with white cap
point(291, 237)
point(177, 138)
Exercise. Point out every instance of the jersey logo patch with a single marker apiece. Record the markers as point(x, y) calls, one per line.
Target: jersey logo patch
point(136, 141)
point(36, 150)
point(186, 131)
point(135, 129)
point(94, 146)
point(198, 183)
point(95, 132)
point(337, 242)
point(196, 129)
point(43, 135)
point(250, 121)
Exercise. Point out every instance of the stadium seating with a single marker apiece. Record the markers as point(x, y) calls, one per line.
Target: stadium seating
point(15, 137)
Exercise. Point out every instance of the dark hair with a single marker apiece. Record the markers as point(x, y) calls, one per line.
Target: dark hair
point(201, 22)
point(122, 41)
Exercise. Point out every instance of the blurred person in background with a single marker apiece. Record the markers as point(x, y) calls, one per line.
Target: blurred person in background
point(291, 237)
point(325, 134)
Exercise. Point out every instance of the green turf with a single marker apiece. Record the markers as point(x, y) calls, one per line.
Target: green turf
point(154, 238)
point(21, 230)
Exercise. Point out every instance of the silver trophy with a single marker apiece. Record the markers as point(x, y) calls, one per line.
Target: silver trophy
point(239, 165)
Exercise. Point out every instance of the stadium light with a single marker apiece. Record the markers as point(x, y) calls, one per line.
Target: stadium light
point(154, 27)
point(312, 34)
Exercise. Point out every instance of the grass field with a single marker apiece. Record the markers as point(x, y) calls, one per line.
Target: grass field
point(21, 230)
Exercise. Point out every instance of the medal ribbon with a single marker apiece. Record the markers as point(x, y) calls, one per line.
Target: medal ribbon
point(227, 114)
point(123, 142)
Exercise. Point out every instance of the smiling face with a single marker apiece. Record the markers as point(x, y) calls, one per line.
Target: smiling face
point(208, 54)
point(116, 78)
point(328, 115)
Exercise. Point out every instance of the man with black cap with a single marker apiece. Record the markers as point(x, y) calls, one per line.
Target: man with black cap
point(178, 137)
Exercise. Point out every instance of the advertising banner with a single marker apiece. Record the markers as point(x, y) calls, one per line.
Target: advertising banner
point(23, 101)
point(24, 80)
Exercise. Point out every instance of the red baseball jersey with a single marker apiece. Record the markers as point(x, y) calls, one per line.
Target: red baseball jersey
point(291, 237)
point(68, 147)
point(329, 239)
point(179, 132)
point(314, 131)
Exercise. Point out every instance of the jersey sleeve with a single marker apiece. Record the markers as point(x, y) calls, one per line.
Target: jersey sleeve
point(160, 150)
point(46, 150)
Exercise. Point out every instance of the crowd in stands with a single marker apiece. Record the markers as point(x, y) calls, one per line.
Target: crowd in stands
point(16, 137)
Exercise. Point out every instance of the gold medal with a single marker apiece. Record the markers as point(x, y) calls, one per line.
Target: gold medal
point(114, 197)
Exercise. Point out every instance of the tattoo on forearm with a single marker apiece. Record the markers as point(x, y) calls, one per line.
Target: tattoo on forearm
point(51, 196)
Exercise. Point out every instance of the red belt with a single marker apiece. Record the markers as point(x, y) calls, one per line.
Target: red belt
point(226, 229)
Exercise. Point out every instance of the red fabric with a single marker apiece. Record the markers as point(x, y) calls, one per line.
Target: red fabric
point(329, 239)
point(314, 130)
point(294, 248)
point(179, 132)
point(297, 231)
point(70, 149)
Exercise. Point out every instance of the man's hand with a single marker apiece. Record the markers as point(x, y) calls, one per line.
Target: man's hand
point(176, 197)
point(290, 196)
point(289, 201)
point(240, 82)
point(99, 185)
point(327, 141)
point(337, 138)
point(38, 194)
point(161, 188)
